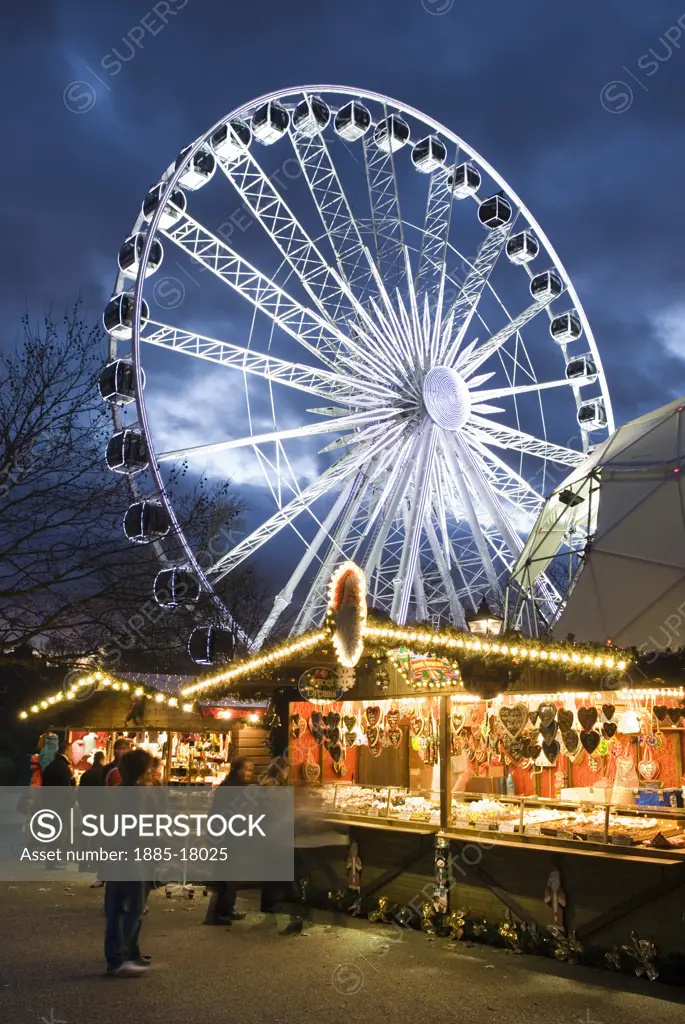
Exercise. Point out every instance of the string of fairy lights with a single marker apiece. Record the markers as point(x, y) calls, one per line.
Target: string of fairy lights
point(101, 680)
point(441, 644)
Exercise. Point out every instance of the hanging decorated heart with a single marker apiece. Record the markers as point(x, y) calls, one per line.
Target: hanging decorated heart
point(609, 729)
point(608, 710)
point(350, 722)
point(548, 732)
point(395, 737)
point(590, 740)
point(551, 750)
point(373, 736)
point(571, 741)
point(533, 717)
point(393, 717)
point(336, 751)
point(513, 718)
point(311, 771)
point(298, 725)
point(547, 713)
point(372, 715)
point(660, 712)
point(565, 719)
point(534, 751)
point(648, 769)
point(332, 737)
point(587, 717)
point(418, 724)
point(458, 721)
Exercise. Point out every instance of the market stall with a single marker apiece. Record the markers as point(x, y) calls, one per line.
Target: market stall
point(478, 775)
point(194, 743)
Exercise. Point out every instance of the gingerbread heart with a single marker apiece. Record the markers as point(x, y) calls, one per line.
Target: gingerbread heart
point(534, 751)
point(608, 710)
point(648, 770)
point(547, 713)
point(310, 771)
point(332, 737)
point(376, 749)
point(609, 729)
point(565, 719)
point(458, 721)
point(418, 724)
point(481, 755)
point(587, 717)
point(392, 718)
point(298, 724)
point(336, 751)
point(660, 712)
point(551, 750)
point(516, 750)
point(676, 715)
point(395, 737)
point(331, 720)
point(373, 736)
point(533, 717)
point(372, 715)
point(590, 740)
point(571, 741)
point(350, 722)
point(514, 718)
point(548, 732)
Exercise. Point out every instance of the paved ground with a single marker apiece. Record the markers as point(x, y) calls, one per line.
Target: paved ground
point(51, 970)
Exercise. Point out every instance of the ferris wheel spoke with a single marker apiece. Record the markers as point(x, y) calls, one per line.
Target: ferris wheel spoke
point(488, 498)
point(329, 196)
point(314, 605)
point(419, 499)
point(324, 384)
point(326, 427)
point(509, 484)
point(467, 300)
point(516, 440)
point(456, 610)
point(285, 596)
point(330, 478)
point(474, 356)
point(384, 200)
point(458, 477)
point(325, 286)
point(432, 254)
point(519, 389)
point(310, 329)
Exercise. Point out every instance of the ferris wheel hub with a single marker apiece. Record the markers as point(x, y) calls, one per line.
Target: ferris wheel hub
point(446, 397)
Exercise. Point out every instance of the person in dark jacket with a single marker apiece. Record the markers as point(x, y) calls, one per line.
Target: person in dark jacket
point(125, 901)
point(93, 775)
point(59, 772)
point(221, 908)
point(110, 773)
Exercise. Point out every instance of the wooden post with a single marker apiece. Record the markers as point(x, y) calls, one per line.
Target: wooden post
point(167, 766)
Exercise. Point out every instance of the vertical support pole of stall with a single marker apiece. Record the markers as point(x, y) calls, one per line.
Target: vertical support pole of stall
point(167, 766)
point(444, 746)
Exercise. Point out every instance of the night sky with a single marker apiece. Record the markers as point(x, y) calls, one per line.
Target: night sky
point(578, 105)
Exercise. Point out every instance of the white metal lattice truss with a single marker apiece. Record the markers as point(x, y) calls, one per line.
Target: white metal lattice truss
point(383, 289)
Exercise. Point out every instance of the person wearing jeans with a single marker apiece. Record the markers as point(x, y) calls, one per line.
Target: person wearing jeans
point(125, 901)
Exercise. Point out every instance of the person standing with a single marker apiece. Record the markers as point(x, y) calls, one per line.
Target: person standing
point(221, 908)
point(111, 775)
point(59, 772)
point(125, 901)
point(93, 775)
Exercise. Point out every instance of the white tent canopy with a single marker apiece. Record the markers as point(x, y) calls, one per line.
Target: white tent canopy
point(629, 496)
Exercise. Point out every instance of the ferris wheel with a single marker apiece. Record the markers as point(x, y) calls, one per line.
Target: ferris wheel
point(381, 342)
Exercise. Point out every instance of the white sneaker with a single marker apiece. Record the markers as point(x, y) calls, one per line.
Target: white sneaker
point(128, 969)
